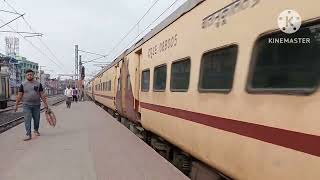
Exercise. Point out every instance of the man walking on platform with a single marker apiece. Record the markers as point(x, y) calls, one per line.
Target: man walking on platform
point(75, 94)
point(30, 92)
point(68, 94)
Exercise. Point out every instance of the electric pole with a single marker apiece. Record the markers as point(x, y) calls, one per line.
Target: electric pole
point(76, 65)
point(79, 76)
point(76, 62)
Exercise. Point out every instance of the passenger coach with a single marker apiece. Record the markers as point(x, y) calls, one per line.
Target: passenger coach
point(219, 90)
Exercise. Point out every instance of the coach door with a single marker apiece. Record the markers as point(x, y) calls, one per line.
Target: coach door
point(119, 90)
point(137, 82)
point(125, 87)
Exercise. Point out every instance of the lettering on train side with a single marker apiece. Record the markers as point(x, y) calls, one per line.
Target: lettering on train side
point(219, 18)
point(163, 46)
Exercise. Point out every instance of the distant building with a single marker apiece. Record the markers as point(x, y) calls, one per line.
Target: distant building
point(26, 64)
point(43, 78)
point(52, 86)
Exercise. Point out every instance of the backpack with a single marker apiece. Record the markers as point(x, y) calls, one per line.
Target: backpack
point(75, 92)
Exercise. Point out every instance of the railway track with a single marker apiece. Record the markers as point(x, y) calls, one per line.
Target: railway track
point(12, 106)
point(18, 118)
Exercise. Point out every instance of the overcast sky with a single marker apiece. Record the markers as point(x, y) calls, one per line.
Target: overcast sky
point(95, 25)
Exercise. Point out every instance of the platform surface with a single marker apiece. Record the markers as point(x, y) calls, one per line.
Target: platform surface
point(86, 144)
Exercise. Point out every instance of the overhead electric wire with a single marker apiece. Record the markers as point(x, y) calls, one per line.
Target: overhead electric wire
point(22, 32)
point(12, 20)
point(33, 45)
point(43, 43)
point(92, 60)
point(9, 12)
point(148, 27)
point(123, 38)
point(92, 53)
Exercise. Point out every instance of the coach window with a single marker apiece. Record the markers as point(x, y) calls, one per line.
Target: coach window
point(180, 75)
point(289, 67)
point(217, 69)
point(109, 87)
point(145, 80)
point(160, 78)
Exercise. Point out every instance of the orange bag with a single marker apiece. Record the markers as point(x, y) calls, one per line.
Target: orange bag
point(51, 118)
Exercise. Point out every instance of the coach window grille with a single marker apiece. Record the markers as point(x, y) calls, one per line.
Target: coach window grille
point(217, 69)
point(145, 80)
point(180, 75)
point(160, 78)
point(109, 85)
point(286, 67)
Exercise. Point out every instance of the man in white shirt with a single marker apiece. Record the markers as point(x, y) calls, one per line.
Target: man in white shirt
point(68, 94)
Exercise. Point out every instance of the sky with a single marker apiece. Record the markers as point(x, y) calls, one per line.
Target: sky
point(95, 25)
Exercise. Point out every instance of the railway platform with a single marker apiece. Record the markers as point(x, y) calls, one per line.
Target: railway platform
point(86, 144)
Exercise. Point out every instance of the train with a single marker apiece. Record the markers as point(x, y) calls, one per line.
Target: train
point(4, 90)
point(223, 91)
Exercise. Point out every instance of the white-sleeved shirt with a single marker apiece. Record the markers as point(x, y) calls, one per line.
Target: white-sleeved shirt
point(68, 92)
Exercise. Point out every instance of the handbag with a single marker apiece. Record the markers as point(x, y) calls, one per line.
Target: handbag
point(51, 118)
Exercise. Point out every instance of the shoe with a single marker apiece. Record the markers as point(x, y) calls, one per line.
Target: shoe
point(27, 138)
point(37, 133)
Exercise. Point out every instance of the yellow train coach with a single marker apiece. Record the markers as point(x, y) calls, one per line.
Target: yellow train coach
point(225, 89)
